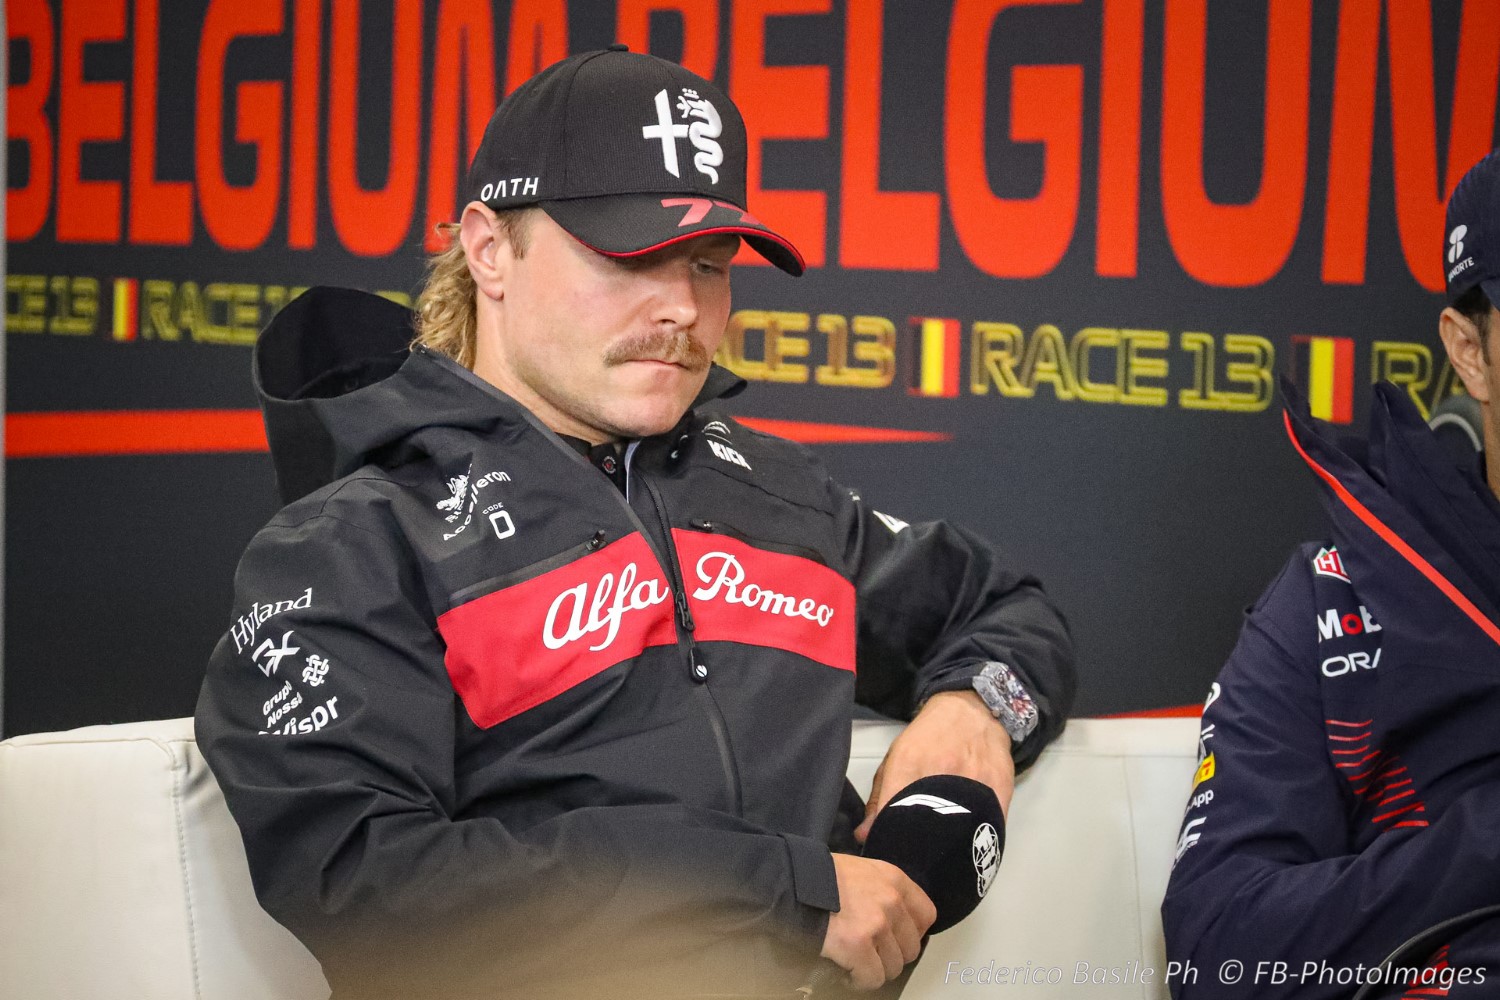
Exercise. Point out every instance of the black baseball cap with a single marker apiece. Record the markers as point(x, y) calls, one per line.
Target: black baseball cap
point(627, 152)
point(1472, 254)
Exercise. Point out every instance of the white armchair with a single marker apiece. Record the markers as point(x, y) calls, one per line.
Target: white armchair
point(122, 876)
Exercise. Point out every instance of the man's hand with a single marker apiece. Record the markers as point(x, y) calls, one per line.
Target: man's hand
point(881, 919)
point(954, 733)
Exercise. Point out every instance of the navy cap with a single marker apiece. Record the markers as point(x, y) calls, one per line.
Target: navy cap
point(1472, 254)
point(627, 152)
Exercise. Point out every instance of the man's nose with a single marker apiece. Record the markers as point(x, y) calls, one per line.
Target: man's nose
point(676, 299)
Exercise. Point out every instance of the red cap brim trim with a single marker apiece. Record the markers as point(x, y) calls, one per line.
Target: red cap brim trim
point(750, 234)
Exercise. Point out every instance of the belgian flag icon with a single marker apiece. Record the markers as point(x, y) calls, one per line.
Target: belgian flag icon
point(127, 309)
point(932, 357)
point(1324, 368)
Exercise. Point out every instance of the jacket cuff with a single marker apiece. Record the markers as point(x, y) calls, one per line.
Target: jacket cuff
point(813, 877)
point(954, 677)
point(816, 887)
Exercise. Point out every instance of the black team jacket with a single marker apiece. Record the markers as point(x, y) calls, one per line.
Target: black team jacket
point(488, 725)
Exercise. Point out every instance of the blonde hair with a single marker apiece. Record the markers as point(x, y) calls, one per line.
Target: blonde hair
point(447, 316)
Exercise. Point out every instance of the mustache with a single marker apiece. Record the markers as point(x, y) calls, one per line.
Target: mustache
point(674, 346)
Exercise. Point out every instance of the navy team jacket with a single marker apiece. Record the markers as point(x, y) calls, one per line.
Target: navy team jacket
point(1348, 790)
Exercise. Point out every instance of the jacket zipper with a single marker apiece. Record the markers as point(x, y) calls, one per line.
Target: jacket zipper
point(730, 531)
point(683, 617)
point(686, 626)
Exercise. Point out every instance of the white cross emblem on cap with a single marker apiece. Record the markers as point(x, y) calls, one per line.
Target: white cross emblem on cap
point(667, 131)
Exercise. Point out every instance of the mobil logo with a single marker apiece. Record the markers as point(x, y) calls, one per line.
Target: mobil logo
point(519, 646)
point(1335, 624)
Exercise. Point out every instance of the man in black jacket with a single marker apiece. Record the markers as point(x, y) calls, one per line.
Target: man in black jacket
point(543, 679)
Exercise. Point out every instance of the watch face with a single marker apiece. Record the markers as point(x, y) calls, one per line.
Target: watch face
point(1007, 700)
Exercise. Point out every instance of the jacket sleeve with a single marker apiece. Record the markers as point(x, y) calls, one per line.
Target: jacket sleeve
point(935, 604)
point(1265, 869)
point(329, 721)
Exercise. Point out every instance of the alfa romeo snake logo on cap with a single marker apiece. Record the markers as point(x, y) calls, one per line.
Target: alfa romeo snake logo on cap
point(701, 132)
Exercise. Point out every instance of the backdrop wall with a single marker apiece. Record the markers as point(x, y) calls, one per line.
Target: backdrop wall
point(1060, 250)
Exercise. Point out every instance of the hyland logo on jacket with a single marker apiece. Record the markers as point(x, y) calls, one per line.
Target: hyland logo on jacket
point(244, 629)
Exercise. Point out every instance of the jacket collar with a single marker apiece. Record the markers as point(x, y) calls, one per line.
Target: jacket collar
point(339, 385)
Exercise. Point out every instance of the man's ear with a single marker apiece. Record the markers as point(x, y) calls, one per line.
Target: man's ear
point(486, 248)
point(1466, 351)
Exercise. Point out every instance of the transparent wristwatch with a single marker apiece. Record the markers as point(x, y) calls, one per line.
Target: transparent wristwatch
point(1007, 699)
